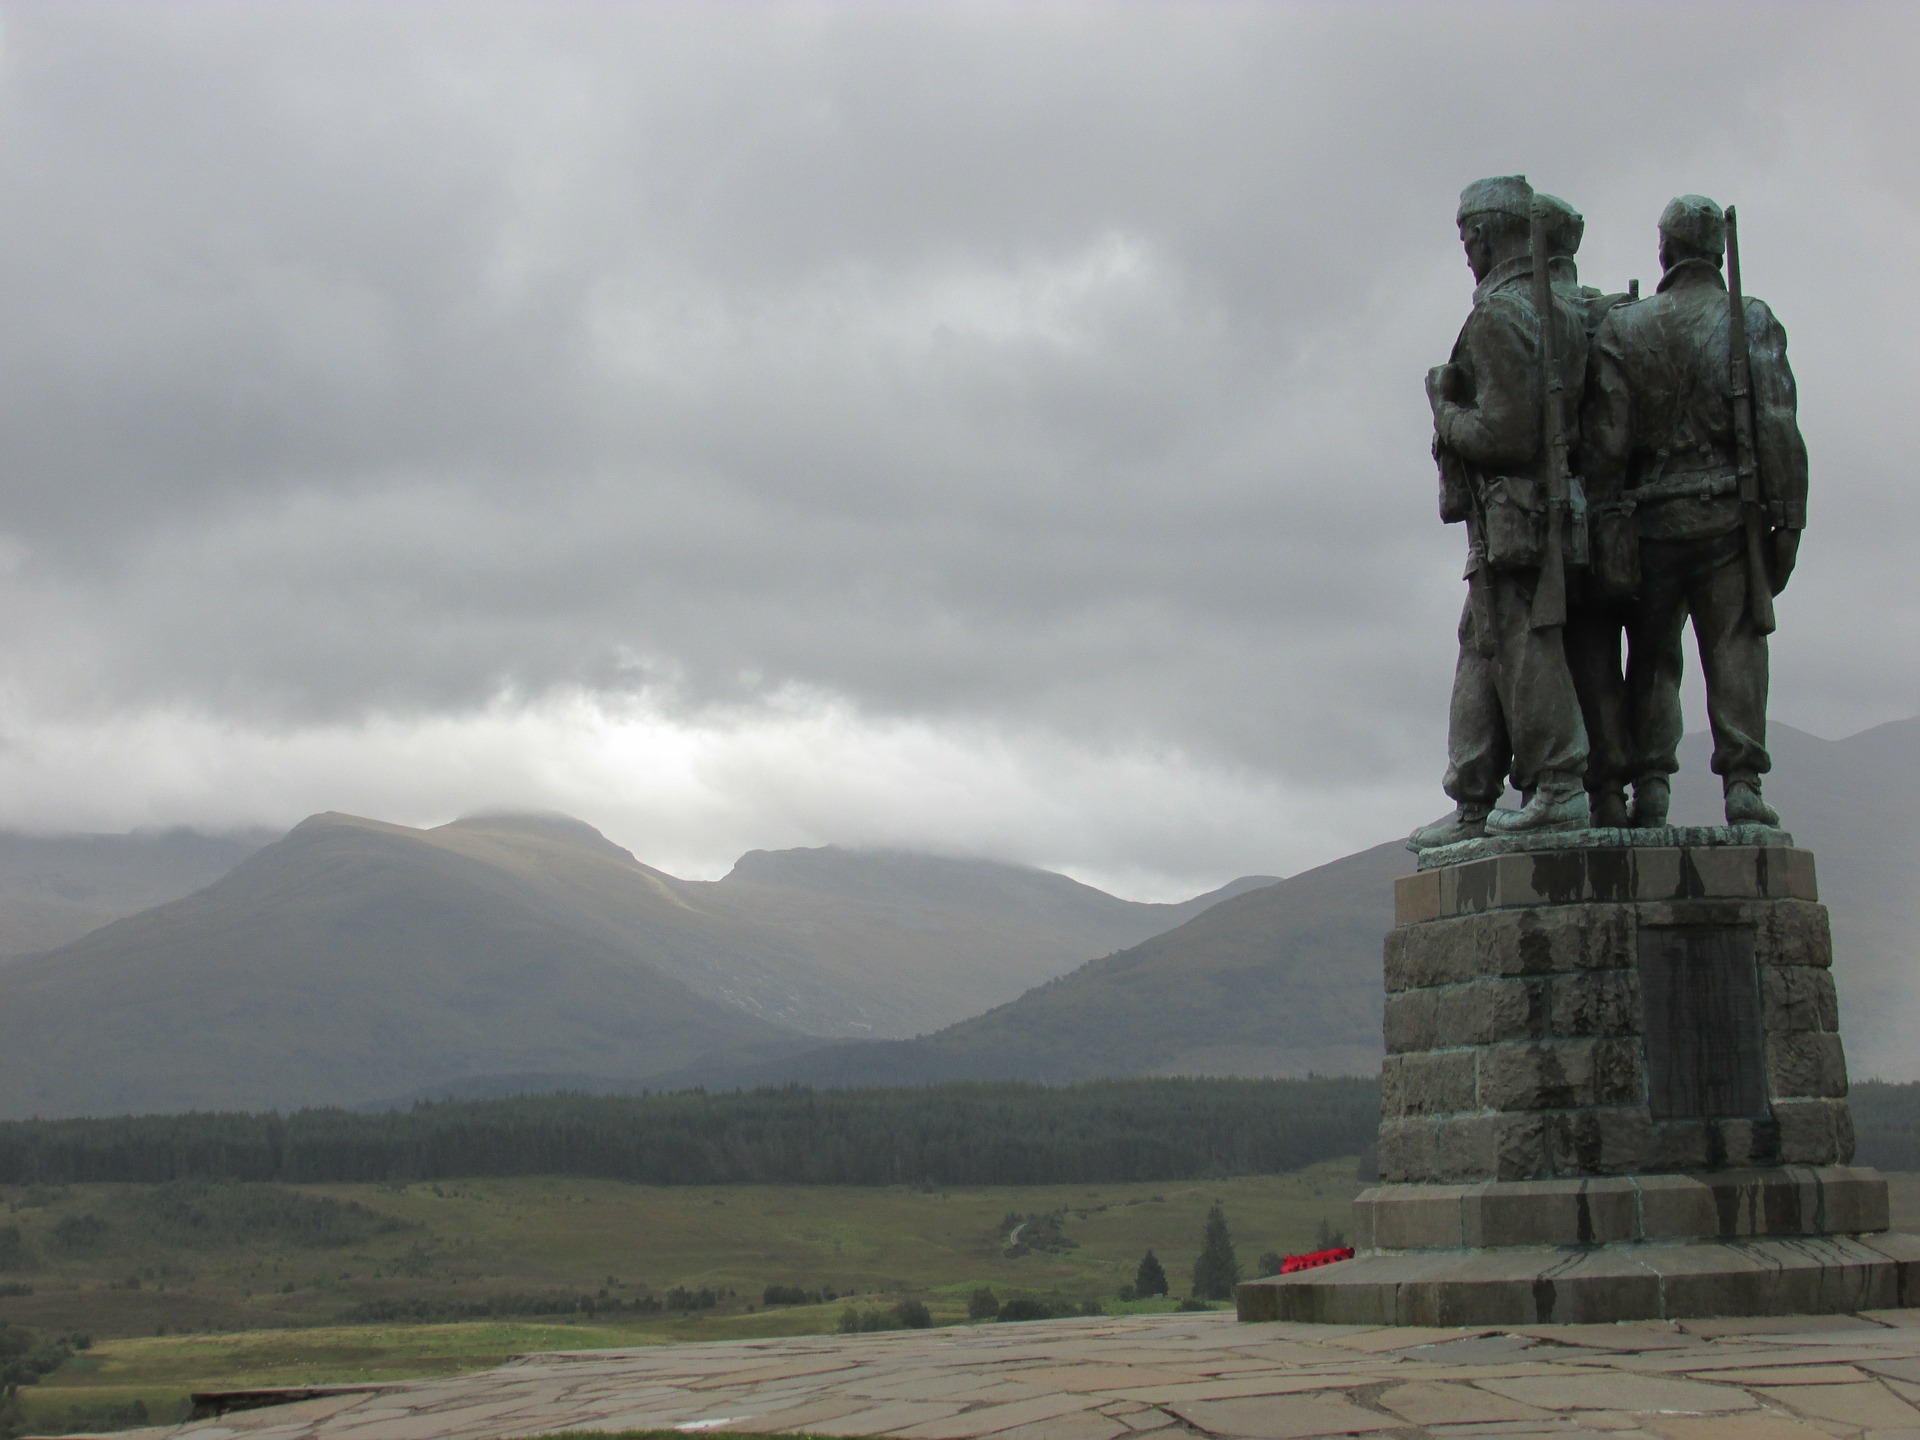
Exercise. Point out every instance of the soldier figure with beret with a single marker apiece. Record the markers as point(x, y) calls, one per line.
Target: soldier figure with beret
point(1596, 613)
point(1514, 706)
point(1657, 426)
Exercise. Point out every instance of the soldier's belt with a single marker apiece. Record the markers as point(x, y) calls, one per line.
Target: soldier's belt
point(1699, 485)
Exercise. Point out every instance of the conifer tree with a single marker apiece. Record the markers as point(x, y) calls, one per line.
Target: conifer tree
point(1150, 1278)
point(1217, 1270)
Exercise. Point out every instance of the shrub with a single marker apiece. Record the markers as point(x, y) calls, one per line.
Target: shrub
point(912, 1315)
point(982, 1304)
point(1151, 1277)
point(1269, 1264)
point(1193, 1303)
point(1036, 1309)
point(1216, 1271)
point(13, 1249)
point(791, 1295)
point(78, 1233)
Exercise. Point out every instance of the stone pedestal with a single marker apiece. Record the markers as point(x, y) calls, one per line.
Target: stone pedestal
point(1614, 1089)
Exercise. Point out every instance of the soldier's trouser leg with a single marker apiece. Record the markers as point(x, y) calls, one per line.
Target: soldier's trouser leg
point(1733, 655)
point(1478, 750)
point(1593, 656)
point(1535, 687)
point(1655, 659)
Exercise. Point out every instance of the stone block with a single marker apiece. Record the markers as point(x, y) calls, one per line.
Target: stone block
point(1408, 1024)
point(1814, 1132)
point(1552, 877)
point(1656, 873)
point(1793, 932)
point(1610, 875)
point(1729, 872)
point(1801, 881)
point(1680, 1144)
point(1509, 943)
point(1699, 914)
point(1466, 1147)
point(1408, 1150)
point(1549, 1212)
point(1798, 998)
point(1520, 1150)
point(1852, 1202)
point(1436, 1082)
point(1676, 1207)
point(1605, 1002)
point(1742, 1142)
point(1805, 1064)
point(1393, 1100)
point(1480, 1012)
point(1409, 1217)
point(1559, 1074)
point(1614, 1140)
point(1416, 897)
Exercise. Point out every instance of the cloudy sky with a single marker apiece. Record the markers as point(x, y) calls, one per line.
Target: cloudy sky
point(991, 429)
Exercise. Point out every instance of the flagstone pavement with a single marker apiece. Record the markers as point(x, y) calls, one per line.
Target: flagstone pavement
point(1171, 1376)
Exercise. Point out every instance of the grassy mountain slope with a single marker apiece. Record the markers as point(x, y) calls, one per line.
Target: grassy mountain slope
point(55, 888)
point(1279, 980)
point(833, 942)
point(348, 962)
point(356, 962)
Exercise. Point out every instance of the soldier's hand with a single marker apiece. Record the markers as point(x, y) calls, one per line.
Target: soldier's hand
point(1786, 551)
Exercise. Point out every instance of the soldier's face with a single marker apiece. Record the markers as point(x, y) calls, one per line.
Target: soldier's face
point(1473, 239)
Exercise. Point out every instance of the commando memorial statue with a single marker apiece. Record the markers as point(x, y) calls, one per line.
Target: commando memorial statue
point(1614, 1086)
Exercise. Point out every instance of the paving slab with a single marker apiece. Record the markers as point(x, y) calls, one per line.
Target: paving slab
point(1792, 1378)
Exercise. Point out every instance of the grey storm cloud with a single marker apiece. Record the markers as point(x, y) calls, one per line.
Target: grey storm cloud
point(1050, 369)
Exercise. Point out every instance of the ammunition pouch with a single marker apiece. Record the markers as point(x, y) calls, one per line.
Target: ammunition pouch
point(1515, 511)
point(1456, 491)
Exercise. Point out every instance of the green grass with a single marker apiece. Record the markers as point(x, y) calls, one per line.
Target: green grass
point(265, 1310)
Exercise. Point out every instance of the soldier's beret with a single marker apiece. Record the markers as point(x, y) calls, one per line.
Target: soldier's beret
point(1565, 226)
point(1499, 195)
point(1696, 221)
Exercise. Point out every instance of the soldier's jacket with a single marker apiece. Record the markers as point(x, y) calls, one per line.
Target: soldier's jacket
point(1493, 423)
point(1657, 419)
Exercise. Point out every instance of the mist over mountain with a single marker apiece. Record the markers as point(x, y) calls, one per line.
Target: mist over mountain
point(359, 963)
point(55, 888)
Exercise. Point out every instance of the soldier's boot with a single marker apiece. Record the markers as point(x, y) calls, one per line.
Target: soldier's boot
point(1558, 802)
point(1651, 796)
point(1468, 822)
point(1608, 807)
point(1744, 805)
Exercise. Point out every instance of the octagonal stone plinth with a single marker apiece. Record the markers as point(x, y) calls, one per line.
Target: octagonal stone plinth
point(1614, 1089)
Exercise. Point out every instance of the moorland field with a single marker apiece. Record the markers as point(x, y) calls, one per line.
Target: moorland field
point(192, 1285)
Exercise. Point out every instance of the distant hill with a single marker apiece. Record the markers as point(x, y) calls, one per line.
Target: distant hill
point(1280, 980)
point(1854, 803)
point(55, 888)
point(1286, 980)
point(347, 962)
point(356, 962)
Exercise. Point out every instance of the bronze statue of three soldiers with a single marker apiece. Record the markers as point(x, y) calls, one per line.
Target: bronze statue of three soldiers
point(1622, 465)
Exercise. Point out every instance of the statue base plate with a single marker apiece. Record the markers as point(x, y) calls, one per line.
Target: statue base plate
point(1689, 837)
